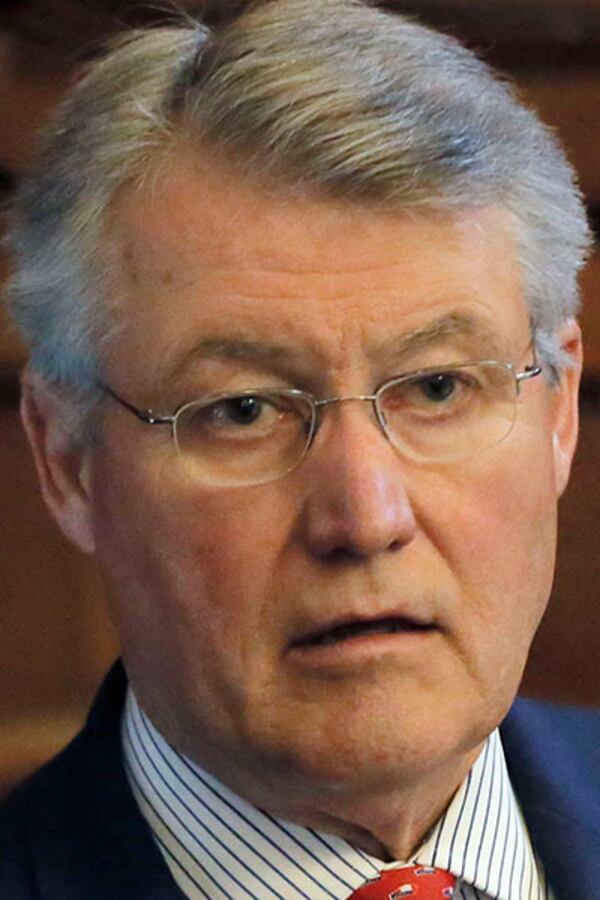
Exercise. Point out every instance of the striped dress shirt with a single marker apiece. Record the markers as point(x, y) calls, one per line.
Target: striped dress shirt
point(220, 847)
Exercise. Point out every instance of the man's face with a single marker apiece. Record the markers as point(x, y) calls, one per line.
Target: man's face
point(214, 589)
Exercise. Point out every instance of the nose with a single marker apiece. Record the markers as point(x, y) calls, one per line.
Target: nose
point(357, 505)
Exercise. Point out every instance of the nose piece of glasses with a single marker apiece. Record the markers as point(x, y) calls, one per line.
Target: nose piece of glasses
point(373, 399)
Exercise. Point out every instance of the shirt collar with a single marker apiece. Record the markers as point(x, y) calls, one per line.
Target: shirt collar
point(218, 845)
point(482, 837)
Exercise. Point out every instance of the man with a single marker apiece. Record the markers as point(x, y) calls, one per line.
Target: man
point(300, 295)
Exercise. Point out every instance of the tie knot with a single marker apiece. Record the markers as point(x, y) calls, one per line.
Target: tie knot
point(423, 882)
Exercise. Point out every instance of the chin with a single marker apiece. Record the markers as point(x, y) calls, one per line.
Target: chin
point(380, 753)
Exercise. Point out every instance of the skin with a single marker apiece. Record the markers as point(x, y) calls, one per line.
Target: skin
point(211, 588)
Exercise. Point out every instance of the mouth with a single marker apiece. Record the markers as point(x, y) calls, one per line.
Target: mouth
point(361, 629)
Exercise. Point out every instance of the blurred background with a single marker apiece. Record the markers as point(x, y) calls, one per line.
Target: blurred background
point(55, 638)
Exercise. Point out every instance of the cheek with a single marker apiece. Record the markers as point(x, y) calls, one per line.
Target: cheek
point(195, 569)
point(232, 544)
point(498, 540)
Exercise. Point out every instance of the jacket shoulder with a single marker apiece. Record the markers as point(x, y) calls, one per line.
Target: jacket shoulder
point(19, 817)
point(553, 757)
point(48, 809)
point(74, 829)
point(566, 731)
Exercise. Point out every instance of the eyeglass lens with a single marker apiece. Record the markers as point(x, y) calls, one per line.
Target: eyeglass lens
point(440, 414)
point(245, 439)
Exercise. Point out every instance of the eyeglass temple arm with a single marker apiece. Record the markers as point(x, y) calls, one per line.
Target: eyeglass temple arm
point(528, 372)
point(145, 415)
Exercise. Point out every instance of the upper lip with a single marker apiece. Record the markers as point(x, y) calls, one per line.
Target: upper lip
point(316, 630)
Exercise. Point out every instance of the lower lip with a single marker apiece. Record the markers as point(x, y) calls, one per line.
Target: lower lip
point(362, 648)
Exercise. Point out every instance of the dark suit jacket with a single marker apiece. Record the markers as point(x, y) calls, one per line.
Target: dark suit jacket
point(74, 832)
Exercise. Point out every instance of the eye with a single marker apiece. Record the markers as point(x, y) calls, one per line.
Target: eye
point(238, 410)
point(439, 386)
point(242, 411)
point(246, 417)
point(435, 394)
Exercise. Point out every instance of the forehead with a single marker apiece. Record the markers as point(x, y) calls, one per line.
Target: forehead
point(206, 258)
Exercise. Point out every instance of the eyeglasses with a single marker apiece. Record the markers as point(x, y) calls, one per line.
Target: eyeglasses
point(259, 435)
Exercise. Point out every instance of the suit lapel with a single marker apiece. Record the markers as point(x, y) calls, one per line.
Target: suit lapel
point(87, 836)
point(553, 757)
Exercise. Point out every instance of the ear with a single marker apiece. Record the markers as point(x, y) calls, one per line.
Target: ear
point(565, 426)
point(61, 460)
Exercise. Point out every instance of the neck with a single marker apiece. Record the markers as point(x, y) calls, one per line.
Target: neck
point(385, 809)
point(389, 822)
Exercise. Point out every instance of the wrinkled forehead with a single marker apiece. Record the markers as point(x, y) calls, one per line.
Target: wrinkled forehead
point(206, 256)
point(198, 204)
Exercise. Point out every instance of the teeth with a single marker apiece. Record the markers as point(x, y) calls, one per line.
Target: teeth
point(359, 629)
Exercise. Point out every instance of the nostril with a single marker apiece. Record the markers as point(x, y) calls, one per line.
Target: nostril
point(353, 552)
point(344, 555)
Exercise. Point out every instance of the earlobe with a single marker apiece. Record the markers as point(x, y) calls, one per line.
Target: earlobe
point(60, 460)
point(566, 409)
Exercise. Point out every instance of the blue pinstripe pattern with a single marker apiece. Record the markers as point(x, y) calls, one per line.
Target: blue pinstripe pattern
point(457, 830)
point(217, 846)
point(251, 825)
point(174, 861)
point(174, 853)
point(497, 816)
point(347, 862)
point(180, 835)
point(207, 808)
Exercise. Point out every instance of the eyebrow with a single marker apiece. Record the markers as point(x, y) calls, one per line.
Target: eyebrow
point(454, 324)
point(238, 347)
point(223, 348)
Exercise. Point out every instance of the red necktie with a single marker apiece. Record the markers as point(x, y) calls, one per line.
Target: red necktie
point(423, 882)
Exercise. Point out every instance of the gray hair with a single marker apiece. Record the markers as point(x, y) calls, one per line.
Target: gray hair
point(334, 96)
